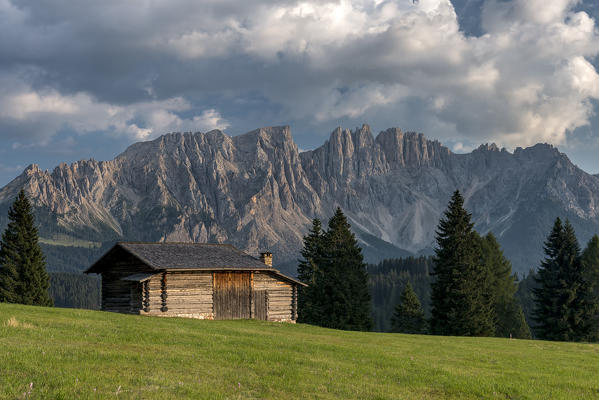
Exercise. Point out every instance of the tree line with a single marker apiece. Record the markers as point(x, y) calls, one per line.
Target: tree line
point(75, 290)
point(468, 285)
point(387, 281)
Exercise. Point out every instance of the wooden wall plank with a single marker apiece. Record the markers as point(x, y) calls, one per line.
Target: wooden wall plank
point(280, 296)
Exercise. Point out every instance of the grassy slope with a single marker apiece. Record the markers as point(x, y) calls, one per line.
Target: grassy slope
point(68, 241)
point(88, 354)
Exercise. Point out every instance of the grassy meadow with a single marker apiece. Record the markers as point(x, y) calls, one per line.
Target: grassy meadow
point(68, 241)
point(53, 353)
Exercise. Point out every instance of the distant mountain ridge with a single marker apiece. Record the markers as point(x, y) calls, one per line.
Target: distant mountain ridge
point(258, 192)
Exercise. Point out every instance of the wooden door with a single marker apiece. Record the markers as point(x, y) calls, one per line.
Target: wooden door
point(261, 304)
point(232, 295)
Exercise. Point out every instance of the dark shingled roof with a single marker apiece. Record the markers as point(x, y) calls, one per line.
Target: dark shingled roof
point(190, 256)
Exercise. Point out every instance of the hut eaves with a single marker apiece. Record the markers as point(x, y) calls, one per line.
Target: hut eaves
point(190, 257)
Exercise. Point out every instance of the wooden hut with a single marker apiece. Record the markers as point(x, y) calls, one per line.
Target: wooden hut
point(206, 281)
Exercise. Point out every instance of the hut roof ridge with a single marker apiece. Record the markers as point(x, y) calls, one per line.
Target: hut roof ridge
point(185, 256)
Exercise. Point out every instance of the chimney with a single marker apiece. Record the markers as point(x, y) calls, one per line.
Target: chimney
point(266, 258)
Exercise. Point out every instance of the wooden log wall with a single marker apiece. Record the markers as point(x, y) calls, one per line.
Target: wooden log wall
point(118, 295)
point(146, 296)
point(281, 306)
point(163, 292)
point(188, 294)
point(260, 304)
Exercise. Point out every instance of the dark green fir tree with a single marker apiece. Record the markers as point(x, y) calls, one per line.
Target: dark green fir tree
point(559, 309)
point(338, 296)
point(460, 303)
point(307, 270)
point(408, 316)
point(590, 266)
point(23, 276)
point(508, 316)
point(345, 290)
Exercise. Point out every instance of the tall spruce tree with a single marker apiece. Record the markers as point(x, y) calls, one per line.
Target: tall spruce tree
point(508, 316)
point(23, 276)
point(346, 292)
point(408, 316)
point(461, 305)
point(590, 293)
point(307, 270)
point(338, 296)
point(559, 308)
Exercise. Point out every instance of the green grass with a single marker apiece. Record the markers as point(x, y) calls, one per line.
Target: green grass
point(77, 354)
point(68, 241)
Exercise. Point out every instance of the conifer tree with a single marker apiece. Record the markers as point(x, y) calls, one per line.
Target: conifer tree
point(307, 268)
point(590, 293)
point(408, 316)
point(508, 316)
point(311, 252)
point(461, 305)
point(345, 290)
point(9, 276)
point(559, 310)
point(338, 296)
point(23, 276)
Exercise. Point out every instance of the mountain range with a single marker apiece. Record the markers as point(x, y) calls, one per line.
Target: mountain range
point(258, 192)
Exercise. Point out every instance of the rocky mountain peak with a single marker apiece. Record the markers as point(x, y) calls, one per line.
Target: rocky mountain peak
point(32, 169)
point(410, 149)
point(538, 151)
point(362, 137)
point(272, 134)
point(488, 147)
point(258, 192)
point(268, 141)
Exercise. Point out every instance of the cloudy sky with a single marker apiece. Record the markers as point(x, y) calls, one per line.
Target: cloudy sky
point(84, 79)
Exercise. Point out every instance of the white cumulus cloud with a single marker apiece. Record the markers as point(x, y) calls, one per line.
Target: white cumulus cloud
point(111, 67)
point(44, 112)
point(528, 79)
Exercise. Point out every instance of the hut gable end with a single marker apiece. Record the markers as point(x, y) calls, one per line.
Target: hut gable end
point(119, 261)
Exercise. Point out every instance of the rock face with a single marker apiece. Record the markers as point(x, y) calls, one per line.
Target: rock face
point(258, 192)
